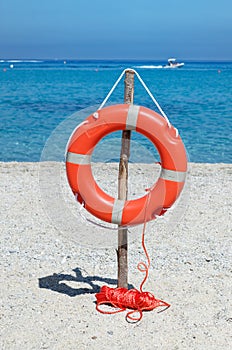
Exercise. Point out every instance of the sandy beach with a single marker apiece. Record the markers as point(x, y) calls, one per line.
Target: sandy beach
point(49, 281)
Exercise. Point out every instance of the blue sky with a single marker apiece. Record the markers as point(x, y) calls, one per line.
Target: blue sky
point(130, 29)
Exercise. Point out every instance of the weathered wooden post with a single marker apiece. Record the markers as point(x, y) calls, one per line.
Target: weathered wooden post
point(123, 183)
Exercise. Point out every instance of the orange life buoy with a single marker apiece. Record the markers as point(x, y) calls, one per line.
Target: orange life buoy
point(160, 196)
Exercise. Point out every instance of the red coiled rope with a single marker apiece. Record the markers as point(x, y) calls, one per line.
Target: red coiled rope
point(134, 299)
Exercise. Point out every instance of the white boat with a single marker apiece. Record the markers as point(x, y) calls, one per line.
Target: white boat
point(172, 63)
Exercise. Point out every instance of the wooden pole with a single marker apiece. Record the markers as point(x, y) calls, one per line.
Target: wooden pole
point(123, 184)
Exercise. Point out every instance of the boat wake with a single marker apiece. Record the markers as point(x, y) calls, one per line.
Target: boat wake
point(149, 67)
point(172, 63)
point(21, 61)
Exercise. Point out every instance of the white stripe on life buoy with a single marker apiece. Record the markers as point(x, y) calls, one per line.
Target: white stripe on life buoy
point(132, 117)
point(171, 175)
point(117, 211)
point(75, 158)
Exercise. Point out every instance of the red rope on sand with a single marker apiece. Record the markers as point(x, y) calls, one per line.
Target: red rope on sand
point(134, 299)
point(123, 299)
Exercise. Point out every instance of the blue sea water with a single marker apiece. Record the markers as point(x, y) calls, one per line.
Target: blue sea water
point(36, 96)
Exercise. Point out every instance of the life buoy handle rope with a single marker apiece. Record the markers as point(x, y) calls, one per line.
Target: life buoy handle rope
point(128, 227)
point(88, 220)
point(162, 194)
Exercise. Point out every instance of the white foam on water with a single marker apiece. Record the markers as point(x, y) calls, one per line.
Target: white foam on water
point(149, 67)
